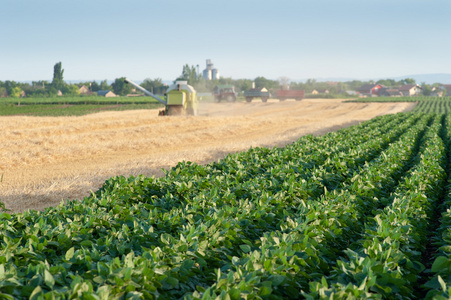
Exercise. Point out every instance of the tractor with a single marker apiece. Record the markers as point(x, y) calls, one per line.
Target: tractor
point(224, 92)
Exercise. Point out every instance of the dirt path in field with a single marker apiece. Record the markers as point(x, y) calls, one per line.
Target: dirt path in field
point(44, 160)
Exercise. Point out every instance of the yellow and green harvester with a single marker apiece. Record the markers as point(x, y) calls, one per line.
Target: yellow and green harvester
point(180, 98)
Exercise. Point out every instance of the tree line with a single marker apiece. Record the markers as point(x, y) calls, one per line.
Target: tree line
point(45, 88)
point(333, 88)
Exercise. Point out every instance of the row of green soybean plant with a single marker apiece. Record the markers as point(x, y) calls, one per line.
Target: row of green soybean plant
point(386, 261)
point(418, 99)
point(439, 286)
point(306, 244)
point(387, 99)
point(262, 223)
point(434, 105)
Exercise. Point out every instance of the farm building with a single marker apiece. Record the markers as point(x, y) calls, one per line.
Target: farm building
point(83, 90)
point(106, 93)
point(437, 91)
point(410, 90)
point(387, 92)
point(351, 93)
point(369, 89)
point(259, 90)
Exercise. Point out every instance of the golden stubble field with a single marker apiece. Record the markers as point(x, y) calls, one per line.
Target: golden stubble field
point(44, 160)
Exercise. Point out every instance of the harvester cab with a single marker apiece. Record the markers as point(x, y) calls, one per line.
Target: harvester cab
point(180, 98)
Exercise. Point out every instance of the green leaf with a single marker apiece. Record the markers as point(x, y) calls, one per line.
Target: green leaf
point(48, 279)
point(6, 297)
point(277, 280)
point(134, 295)
point(37, 293)
point(439, 264)
point(235, 294)
point(5, 216)
point(172, 281)
point(86, 243)
point(245, 248)
point(70, 253)
point(446, 249)
point(166, 238)
point(182, 248)
point(442, 283)
point(2, 271)
point(265, 291)
point(324, 283)
point(187, 264)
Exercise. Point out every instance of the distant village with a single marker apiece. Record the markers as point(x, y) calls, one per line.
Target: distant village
point(374, 90)
point(208, 80)
point(332, 88)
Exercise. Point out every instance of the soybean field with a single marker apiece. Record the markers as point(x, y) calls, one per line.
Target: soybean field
point(360, 213)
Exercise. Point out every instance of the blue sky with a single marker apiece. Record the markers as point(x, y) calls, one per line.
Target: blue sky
point(99, 39)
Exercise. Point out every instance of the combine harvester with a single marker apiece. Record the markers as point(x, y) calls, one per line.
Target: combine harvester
point(180, 99)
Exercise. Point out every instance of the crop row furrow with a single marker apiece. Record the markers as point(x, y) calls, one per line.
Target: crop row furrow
point(439, 285)
point(388, 263)
point(308, 153)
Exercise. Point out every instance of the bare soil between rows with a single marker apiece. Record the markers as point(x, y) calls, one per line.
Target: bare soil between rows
point(46, 160)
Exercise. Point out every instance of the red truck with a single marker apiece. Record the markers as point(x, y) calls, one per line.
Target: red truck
point(289, 94)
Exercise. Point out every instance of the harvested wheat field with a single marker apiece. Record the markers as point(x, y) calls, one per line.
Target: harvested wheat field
point(44, 160)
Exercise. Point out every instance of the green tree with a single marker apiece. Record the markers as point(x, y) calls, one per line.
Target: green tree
point(104, 86)
point(15, 92)
point(58, 82)
point(9, 85)
point(94, 86)
point(407, 81)
point(243, 84)
point(262, 82)
point(71, 90)
point(3, 92)
point(120, 87)
point(189, 74)
point(427, 89)
point(387, 82)
point(155, 86)
point(52, 92)
point(355, 84)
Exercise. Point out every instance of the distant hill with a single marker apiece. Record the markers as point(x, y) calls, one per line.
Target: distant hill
point(443, 78)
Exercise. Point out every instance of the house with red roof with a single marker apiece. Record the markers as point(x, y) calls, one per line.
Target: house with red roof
point(370, 89)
